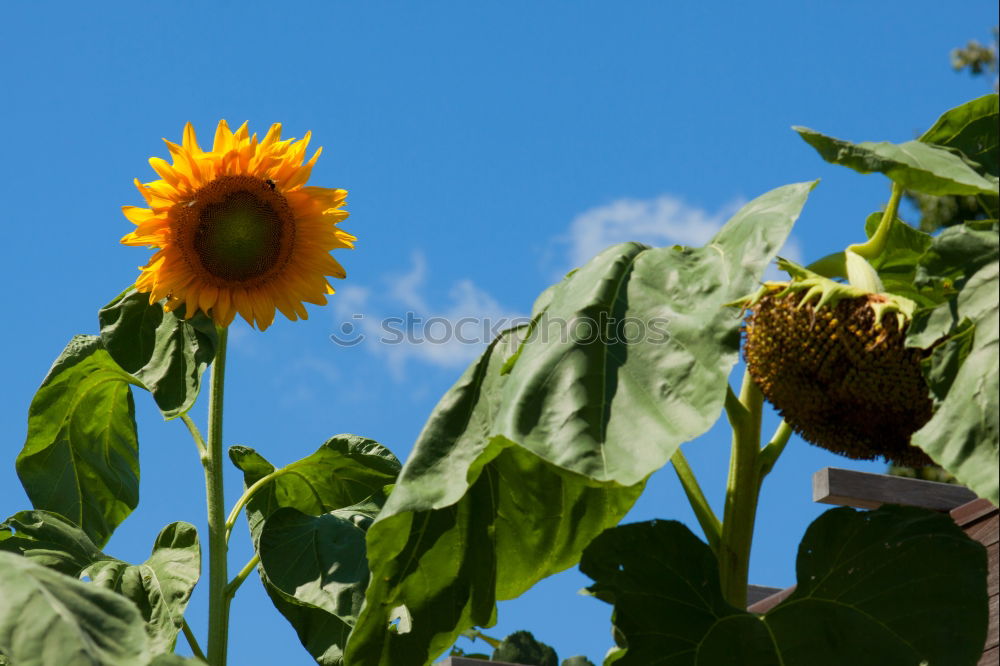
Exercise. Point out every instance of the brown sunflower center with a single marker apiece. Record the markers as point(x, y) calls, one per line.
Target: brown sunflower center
point(237, 229)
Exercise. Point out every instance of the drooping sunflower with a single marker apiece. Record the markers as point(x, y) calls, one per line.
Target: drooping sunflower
point(238, 231)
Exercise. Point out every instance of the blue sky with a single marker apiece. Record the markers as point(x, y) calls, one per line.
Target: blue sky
point(487, 147)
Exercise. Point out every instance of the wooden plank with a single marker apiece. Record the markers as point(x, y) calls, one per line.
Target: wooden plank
point(870, 491)
point(971, 511)
point(990, 658)
point(757, 593)
point(993, 632)
point(985, 530)
point(770, 602)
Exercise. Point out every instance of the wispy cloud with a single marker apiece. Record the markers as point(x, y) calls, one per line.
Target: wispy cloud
point(663, 220)
point(396, 320)
point(398, 324)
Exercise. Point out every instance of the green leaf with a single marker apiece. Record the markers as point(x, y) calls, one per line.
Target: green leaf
point(956, 254)
point(897, 265)
point(972, 129)
point(862, 596)
point(914, 165)
point(315, 570)
point(963, 436)
point(615, 405)
point(344, 471)
point(322, 635)
point(322, 504)
point(49, 618)
point(50, 540)
point(521, 648)
point(164, 351)
point(81, 456)
point(160, 587)
point(547, 439)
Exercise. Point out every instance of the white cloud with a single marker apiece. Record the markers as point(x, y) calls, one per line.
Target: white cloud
point(663, 220)
point(399, 325)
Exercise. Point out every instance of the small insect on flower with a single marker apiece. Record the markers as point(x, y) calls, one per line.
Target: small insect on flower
point(237, 230)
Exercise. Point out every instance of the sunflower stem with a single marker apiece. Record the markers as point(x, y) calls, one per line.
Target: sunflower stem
point(710, 524)
point(196, 436)
point(218, 602)
point(238, 579)
point(742, 491)
point(247, 494)
point(873, 247)
point(192, 641)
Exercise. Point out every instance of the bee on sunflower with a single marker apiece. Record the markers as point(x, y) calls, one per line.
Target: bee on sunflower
point(237, 229)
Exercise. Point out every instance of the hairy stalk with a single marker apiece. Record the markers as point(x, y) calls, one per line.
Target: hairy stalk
point(195, 435)
point(238, 579)
point(769, 454)
point(247, 494)
point(218, 602)
point(192, 641)
point(710, 524)
point(742, 490)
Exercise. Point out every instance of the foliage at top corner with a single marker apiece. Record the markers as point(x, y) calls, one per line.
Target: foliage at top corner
point(957, 156)
point(548, 438)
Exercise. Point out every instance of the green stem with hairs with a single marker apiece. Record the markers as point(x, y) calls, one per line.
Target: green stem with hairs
point(192, 641)
point(742, 491)
point(247, 494)
point(709, 522)
point(218, 602)
point(769, 454)
point(195, 435)
point(874, 246)
point(238, 579)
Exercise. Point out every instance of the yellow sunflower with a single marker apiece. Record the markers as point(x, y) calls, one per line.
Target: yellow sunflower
point(237, 229)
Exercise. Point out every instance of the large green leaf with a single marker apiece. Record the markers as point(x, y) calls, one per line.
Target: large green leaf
point(308, 526)
point(315, 570)
point(163, 350)
point(345, 470)
point(160, 587)
point(81, 456)
point(972, 129)
point(914, 165)
point(895, 586)
point(963, 436)
point(49, 618)
point(548, 438)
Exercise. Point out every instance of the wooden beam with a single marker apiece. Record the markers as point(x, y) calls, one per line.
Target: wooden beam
point(870, 491)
